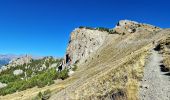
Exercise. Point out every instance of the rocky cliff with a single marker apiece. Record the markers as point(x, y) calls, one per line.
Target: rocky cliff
point(84, 41)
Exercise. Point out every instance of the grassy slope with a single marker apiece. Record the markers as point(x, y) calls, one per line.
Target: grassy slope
point(114, 70)
point(165, 51)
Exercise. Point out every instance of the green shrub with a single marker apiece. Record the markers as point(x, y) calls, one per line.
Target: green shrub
point(103, 29)
point(38, 97)
point(43, 96)
point(46, 95)
point(7, 78)
point(81, 27)
point(87, 27)
point(40, 80)
point(77, 61)
point(64, 74)
point(112, 32)
point(74, 67)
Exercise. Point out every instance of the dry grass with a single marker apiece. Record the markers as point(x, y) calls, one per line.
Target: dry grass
point(165, 51)
point(166, 61)
point(114, 71)
point(30, 93)
point(115, 68)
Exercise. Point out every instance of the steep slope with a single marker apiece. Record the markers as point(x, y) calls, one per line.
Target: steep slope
point(114, 71)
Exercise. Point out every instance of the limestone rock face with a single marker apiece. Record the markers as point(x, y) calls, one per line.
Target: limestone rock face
point(82, 43)
point(85, 41)
point(127, 26)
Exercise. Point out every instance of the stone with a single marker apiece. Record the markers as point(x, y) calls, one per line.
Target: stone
point(18, 72)
point(2, 85)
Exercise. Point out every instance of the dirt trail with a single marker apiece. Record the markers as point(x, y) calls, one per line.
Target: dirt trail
point(156, 83)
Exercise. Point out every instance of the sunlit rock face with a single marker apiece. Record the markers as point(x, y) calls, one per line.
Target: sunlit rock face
point(85, 41)
point(82, 43)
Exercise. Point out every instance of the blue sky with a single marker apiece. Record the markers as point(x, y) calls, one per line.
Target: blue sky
point(42, 27)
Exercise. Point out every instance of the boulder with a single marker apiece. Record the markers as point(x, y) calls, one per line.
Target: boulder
point(18, 72)
point(2, 85)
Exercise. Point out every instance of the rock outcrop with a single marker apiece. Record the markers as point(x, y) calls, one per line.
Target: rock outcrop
point(20, 61)
point(85, 41)
point(127, 26)
point(82, 43)
point(18, 72)
point(17, 61)
point(2, 85)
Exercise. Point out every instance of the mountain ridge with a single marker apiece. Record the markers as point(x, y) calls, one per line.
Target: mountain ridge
point(110, 63)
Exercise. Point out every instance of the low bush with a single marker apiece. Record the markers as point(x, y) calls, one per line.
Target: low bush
point(40, 80)
point(14, 83)
point(7, 78)
point(103, 29)
point(64, 74)
point(87, 27)
point(74, 67)
point(43, 96)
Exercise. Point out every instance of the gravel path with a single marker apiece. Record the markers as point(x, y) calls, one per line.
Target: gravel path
point(156, 83)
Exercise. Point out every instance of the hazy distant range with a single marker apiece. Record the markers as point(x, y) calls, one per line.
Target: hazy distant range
point(6, 58)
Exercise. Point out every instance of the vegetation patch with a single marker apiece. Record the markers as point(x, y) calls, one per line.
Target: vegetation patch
point(103, 29)
point(38, 73)
point(74, 67)
point(43, 96)
point(164, 48)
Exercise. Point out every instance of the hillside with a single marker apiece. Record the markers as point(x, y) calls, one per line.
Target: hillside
point(111, 63)
point(115, 69)
point(25, 72)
